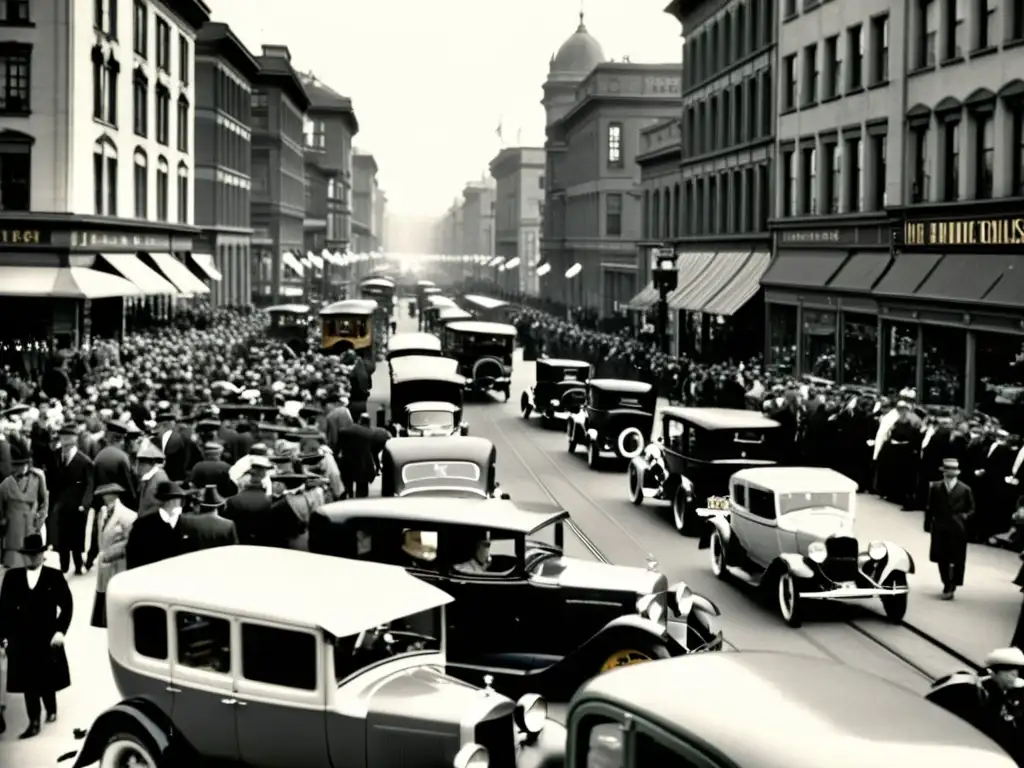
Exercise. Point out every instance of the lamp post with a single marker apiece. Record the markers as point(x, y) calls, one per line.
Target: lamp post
point(663, 272)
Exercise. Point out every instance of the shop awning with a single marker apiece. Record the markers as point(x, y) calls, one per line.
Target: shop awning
point(907, 273)
point(803, 269)
point(965, 277)
point(644, 300)
point(204, 262)
point(861, 271)
point(1008, 291)
point(289, 260)
point(742, 288)
point(148, 281)
point(710, 282)
point(180, 275)
point(63, 283)
point(315, 260)
point(689, 266)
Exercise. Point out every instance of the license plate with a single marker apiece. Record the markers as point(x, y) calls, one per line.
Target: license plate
point(719, 503)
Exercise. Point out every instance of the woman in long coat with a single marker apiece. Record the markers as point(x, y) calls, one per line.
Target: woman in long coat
point(24, 504)
point(35, 614)
point(115, 523)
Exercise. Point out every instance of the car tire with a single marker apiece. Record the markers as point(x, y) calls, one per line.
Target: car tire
point(593, 455)
point(524, 406)
point(652, 650)
point(508, 394)
point(682, 518)
point(718, 556)
point(788, 597)
point(127, 749)
point(895, 606)
point(636, 485)
point(571, 432)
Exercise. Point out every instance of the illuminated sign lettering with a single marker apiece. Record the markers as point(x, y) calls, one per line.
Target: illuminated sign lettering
point(965, 232)
point(21, 237)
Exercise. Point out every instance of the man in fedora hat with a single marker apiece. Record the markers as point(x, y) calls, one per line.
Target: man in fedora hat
point(24, 504)
point(35, 613)
point(112, 464)
point(947, 514)
point(114, 522)
point(206, 528)
point(213, 470)
point(159, 536)
point(249, 509)
point(170, 440)
point(71, 491)
point(150, 465)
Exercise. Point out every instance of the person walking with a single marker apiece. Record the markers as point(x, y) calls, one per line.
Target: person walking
point(24, 505)
point(35, 613)
point(150, 466)
point(114, 521)
point(157, 537)
point(71, 490)
point(949, 509)
point(249, 509)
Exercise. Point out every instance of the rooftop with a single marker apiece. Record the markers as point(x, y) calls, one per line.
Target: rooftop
point(577, 56)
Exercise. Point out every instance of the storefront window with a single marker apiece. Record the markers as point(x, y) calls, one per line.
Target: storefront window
point(782, 338)
point(945, 365)
point(900, 367)
point(820, 343)
point(999, 382)
point(860, 349)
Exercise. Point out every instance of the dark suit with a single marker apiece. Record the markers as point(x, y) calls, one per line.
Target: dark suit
point(213, 472)
point(939, 447)
point(151, 540)
point(175, 452)
point(205, 530)
point(360, 447)
point(946, 518)
point(249, 509)
point(112, 465)
point(71, 486)
point(238, 444)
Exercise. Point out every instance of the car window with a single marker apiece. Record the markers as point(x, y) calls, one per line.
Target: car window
point(479, 552)
point(673, 433)
point(761, 503)
point(606, 747)
point(694, 440)
point(149, 627)
point(263, 649)
point(204, 642)
point(739, 494)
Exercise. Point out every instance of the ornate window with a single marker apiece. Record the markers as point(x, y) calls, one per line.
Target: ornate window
point(104, 164)
point(163, 173)
point(141, 179)
point(15, 171)
point(183, 193)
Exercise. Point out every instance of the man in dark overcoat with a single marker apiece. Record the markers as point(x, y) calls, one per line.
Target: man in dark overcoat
point(250, 508)
point(213, 470)
point(159, 536)
point(35, 613)
point(174, 446)
point(360, 447)
point(71, 487)
point(950, 507)
point(206, 528)
point(113, 465)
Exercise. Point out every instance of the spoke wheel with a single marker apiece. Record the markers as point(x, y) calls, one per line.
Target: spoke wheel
point(789, 600)
point(593, 454)
point(624, 658)
point(524, 406)
point(680, 513)
point(571, 433)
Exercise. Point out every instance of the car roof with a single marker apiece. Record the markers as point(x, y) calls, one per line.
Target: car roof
point(425, 283)
point(797, 479)
point(405, 450)
point(722, 418)
point(477, 326)
point(561, 362)
point(414, 340)
point(289, 309)
point(432, 405)
point(420, 367)
point(789, 711)
point(453, 314)
point(340, 596)
point(441, 301)
point(350, 307)
point(382, 282)
point(485, 302)
point(625, 386)
point(495, 514)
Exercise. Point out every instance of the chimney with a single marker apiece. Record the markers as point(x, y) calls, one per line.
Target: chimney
point(277, 52)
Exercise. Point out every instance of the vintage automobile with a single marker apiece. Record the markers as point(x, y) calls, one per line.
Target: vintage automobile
point(432, 306)
point(617, 416)
point(290, 323)
point(353, 324)
point(321, 668)
point(451, 315)
point(487, 308)
point(698, 451)
point(439, 466)
point(525, 613)
point(426, 397)
point(484, 352)
point(784, 711)
point(561, 389)
point(791, 530)
point(380, 289)
point(414, 343)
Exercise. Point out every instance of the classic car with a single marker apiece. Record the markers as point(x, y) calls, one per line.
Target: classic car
point(295, 660)
point(561, 389)
point(414, 343)
point(698, 451)
point(379, 288)
point(439, 466)
point(451, 315)
point(616, 416)
point(756, 709)
point(432, 306)
point(488, 308)
point(484, 352)
point(534, 619)
point(353, 324)
point(426, 397)
point(791, 530)
point(290, 323)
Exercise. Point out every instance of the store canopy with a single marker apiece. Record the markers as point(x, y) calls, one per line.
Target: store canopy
point(1007, 291)
point(743, 286)
point(710, 282)
point(803, 268)
point(148, 281)
point(689, 266)
point(966, 277)
point(315, 260)
point(180, 275)
point(644, 300)
point(289, 260)
point(861, 271)
point(63, 283)
point(204, 262)
point(907, 273)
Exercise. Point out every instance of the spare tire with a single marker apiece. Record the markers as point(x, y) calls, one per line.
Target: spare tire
point(488, 368)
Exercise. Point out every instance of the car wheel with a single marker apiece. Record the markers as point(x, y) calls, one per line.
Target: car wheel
point(524, 406)
point(895, 606)
point(124, 750)
point(718, 556)
point(508, 394)
point(682, 517)
point(593, 455)
point(789, 599)
point(636, 485)
point(571, 432)
point(644, 651)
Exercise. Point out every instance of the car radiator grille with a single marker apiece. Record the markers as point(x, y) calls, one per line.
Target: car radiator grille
point(841, 564)
point(498, 735)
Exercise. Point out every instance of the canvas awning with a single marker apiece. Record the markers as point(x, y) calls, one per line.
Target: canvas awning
point(204, 262)
point(180, 275)
point(148, 281)
point(316, 261)
point(689, 267)
point(644, 300)
point(745, 284)
point(63, 283)
point(289, 260)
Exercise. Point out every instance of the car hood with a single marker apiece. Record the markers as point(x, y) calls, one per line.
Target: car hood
point(819, 522)
point(432, 699)
point(583, 574)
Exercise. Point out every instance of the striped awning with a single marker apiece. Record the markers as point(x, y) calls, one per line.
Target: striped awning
point(711, 280)
point(204, 262)
point(689, 266)
point(742, 288)
point(289, 260)
point(644, 300)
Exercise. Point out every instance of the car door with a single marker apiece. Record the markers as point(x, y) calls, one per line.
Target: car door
point(280, 690)
point(202, 676)
point(760, 539)
point(151, 658)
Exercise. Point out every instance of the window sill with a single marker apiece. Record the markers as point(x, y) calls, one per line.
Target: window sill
point(16, 113)
point(1017, 43)
point(988, 50)
point(809, 104)
point(104, 123)
point(788, 111)
point(20, 24)
point(952, 60)
point(879, 84)
point(790, 17)
point(921, 70)
point(829, 99)
point(854, 90)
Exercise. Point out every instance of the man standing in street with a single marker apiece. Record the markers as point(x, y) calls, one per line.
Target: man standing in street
point(249, 509)
point(71, 489)
point(206, 528)
point(160, 536)
point(950, 506)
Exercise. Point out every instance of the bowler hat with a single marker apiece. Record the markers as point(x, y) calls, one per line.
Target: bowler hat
point(20, 452)
point(950, 465)
point(68, 430)
point(290, 480)
point(32, 545)
point(209, 425)
point(108, 489)
point(116, 428)
point(168, 489)
point(210, 499)
point(164, 415)
point(259, 449)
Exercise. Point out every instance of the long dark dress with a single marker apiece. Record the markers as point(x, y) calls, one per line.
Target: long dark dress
point(29, 618)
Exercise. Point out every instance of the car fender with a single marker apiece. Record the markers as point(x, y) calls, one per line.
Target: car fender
point(898, 560)
point(718, 521)
point(138, 717)
point(796, 565)
point(632, 624)
point(545, 750)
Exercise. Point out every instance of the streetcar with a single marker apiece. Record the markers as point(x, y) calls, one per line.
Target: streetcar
point(353, 324)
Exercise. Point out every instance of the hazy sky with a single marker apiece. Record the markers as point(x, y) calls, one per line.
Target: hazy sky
point(431, 79)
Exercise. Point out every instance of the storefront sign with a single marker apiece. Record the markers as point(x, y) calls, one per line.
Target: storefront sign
point(811, 236)
point(19, 237)
point(120, 240)
point(964, 233)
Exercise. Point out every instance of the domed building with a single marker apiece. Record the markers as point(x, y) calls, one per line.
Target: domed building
point(568, 68)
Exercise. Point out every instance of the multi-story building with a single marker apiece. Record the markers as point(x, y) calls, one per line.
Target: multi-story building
point(911, 271)
point(279, 104)
point(478, 218)
point(719, 215)
point(447, 237)
point(595, 112)
point(364, 192)
point(225, 70)
point(380, 220)
point(518, 174)
point(89, 176)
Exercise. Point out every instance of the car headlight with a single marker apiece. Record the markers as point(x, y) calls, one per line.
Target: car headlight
point(650, 607)
point(531, 714)
point(472, 756)
point(877, 550)
point(816, 552)
point(682, 600)
point(556, 403)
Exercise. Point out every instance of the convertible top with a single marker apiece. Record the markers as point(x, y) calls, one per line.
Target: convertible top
point(405, 450)
point(402, 342)
point(432, 405)
point(489, 329)
point(625, 386)
point(350, 307)
point(494, 514)
point(797, 479)
point(425, 368)
point(722, 418)
point(342, 597)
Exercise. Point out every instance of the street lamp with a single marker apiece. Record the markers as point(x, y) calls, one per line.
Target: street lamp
point(666, 278)
point(570, 273)
point(543, 269)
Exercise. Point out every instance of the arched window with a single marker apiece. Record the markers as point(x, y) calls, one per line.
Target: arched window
point(183, 193)
point(15, 170)
point(104, 164)
point(141, 179)
point(163, 173)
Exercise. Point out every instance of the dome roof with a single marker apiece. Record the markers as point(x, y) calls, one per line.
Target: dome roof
point(578, 55)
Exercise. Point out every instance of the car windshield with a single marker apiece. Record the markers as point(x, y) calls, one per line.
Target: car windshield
point(431, 419)
point(548, 537)
point(417, 633)
point(793, 502)
point(349, 327)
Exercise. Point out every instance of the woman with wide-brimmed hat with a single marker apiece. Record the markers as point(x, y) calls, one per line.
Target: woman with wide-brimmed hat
point(24, 504)
point(114, 522)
